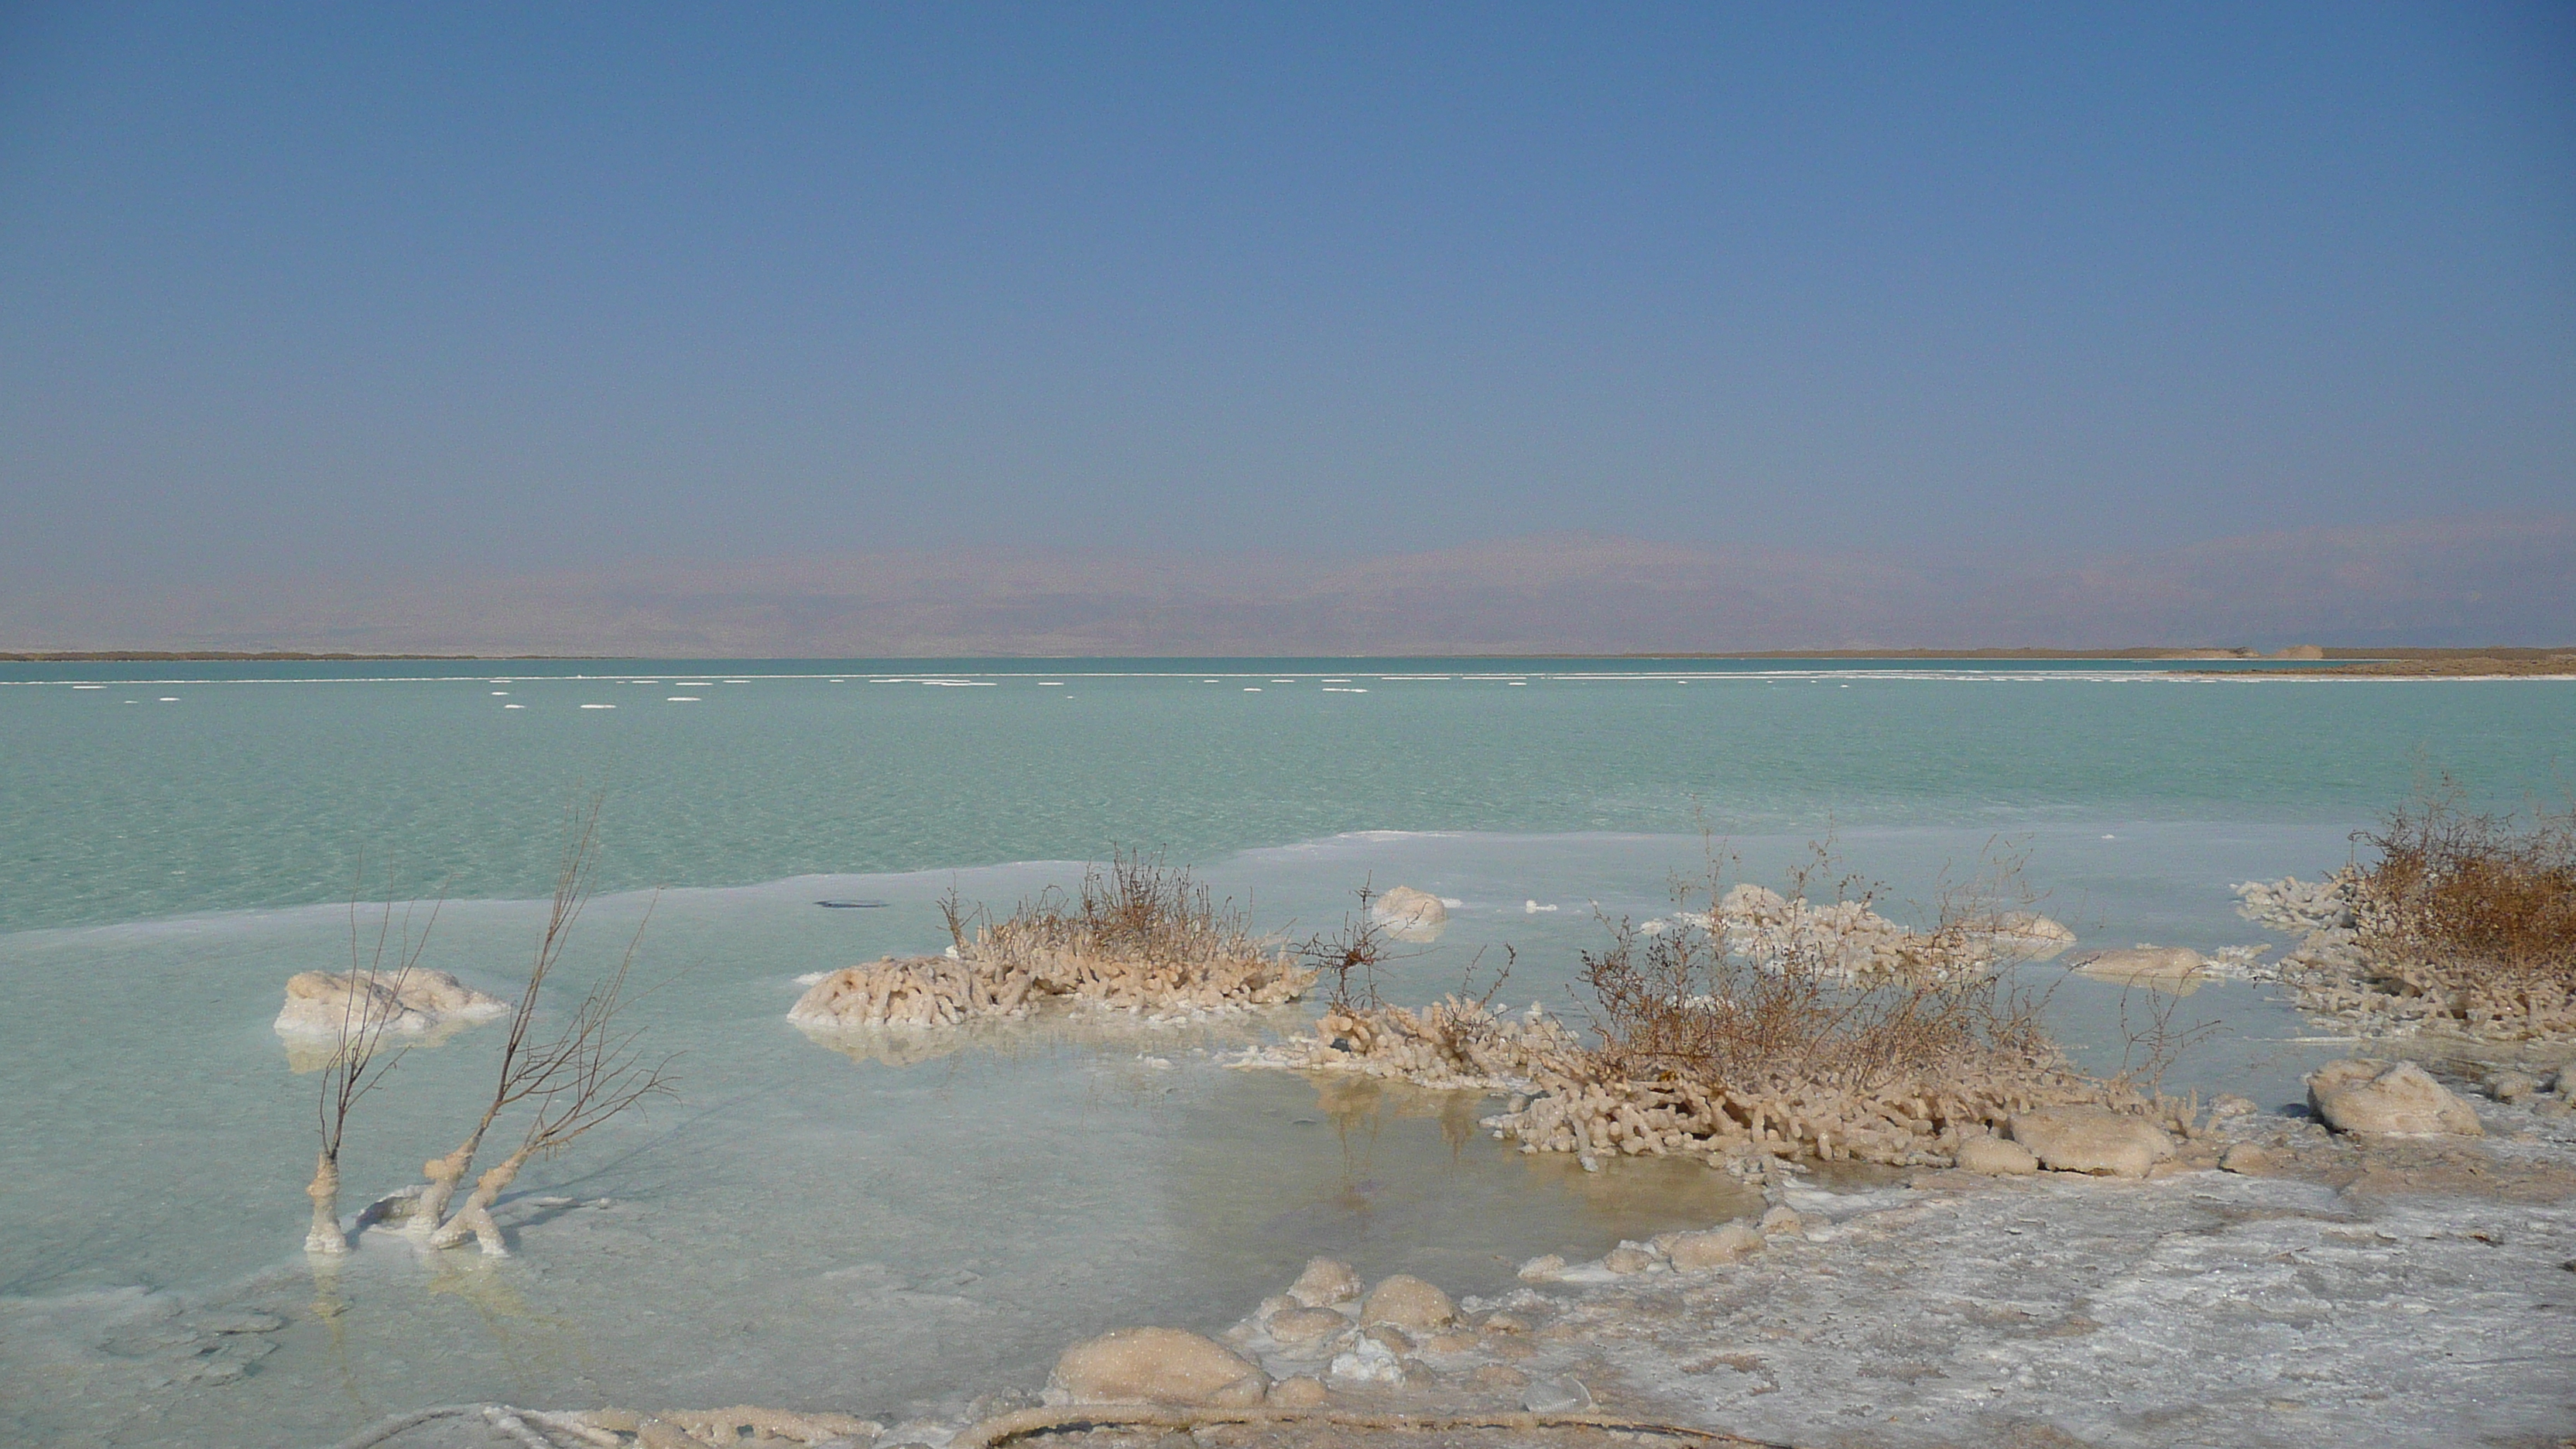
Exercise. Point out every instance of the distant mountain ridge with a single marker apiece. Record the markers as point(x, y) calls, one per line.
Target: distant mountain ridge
point(2473, 581)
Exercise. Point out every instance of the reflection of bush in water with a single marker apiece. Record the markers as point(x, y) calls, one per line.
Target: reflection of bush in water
point(1037, 1033)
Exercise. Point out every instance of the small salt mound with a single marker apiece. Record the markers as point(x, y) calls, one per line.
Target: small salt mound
point(514, 706)
point(1533, 908)
point(89, 686)
point(680, 699)
point(1409, 914)
point(599, 706)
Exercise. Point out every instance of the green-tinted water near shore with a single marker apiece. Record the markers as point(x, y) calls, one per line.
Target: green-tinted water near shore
point(803, 1227)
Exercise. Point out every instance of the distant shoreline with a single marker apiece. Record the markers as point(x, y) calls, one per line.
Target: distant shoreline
point(2403, 661)
point(2327, 661)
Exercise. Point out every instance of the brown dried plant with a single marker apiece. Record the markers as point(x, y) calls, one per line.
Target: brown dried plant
point(2473, 909)
point(1680, 1003)
point(587, 1072)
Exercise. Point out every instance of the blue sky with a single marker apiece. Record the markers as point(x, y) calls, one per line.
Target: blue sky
point(512, 288)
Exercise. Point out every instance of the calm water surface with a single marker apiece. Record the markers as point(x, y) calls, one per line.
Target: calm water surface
point(801, 1226)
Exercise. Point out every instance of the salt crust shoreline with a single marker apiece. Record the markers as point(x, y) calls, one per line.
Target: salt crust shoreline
point(2363, 1291)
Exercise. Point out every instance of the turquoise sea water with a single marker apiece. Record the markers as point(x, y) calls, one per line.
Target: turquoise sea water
point(177, 839)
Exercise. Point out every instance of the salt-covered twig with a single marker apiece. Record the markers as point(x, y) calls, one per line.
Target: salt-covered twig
point(358, 1062)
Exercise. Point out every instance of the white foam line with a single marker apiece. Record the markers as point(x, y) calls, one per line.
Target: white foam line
point(599, 706)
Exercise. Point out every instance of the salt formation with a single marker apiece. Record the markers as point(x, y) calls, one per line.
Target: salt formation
point(1155, 1366)
point(1141, 938)
point(2359, 1096)
point(1848, 939)
point(2344, 969)
point(322, 1004)
point(1410, 915)
point(983, 982)
point(1566, 1100)
point(2167, 968)
point(2093, 1140)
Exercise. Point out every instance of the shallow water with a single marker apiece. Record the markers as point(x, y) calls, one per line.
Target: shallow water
point(801, 1226)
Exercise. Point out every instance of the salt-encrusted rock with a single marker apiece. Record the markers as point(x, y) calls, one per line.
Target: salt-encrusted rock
point(1367, 1361)
point(2033, 934)
point(2511, 1086)
point(1301, 1391)
point(1727, 1243)
point(1546, 1267)
point(2250, 1158)
point(326, 1003)
point(1627, 1258)
point(1504, 1323)
point(1155, 1366)
point(1325, 1283)
point(2092, 1139)
point(1995, 1157)
point(2363, 1096)
point(1306, 1325)
point(2231, 1105)
point(1408, 1302)
point(1556, 1396)
point(2143, 964)
point(1783, 1222)
point(1409, 914)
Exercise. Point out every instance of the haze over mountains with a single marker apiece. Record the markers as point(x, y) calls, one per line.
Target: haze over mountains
point(2462, 581)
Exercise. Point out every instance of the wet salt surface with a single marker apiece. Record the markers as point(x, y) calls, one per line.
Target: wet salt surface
point(811, 1228)
point(2206, 1309)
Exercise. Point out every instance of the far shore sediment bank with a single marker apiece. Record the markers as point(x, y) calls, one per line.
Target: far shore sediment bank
point(2298, 659)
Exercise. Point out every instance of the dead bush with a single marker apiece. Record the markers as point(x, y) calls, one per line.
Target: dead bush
point(2474, 911)
point(1137, 936)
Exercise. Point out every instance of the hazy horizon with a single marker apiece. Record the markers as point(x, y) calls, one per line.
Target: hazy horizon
point(2484, 581)
point(1881, 323)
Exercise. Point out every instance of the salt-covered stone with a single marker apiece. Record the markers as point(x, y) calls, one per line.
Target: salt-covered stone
point(2144, 965)
point(327, 1003)
point(2250, 1158)
point(1325, 1282)
point(1367, 1361)
point(1544, 1268)
point(1783, 1222)
point(2092, 1139)
point(1306, 1325)
point(1995, 1157)
point(1300, 1391)
point(2034, 935)
point(2231, 1105)
point(2511, 1086)
point(1504, 1323)
point(1726, 1243)
point(2366, 1096)
point(1627, 1258)
point(1408, 1302)
point(1409, 914)
point(1155, 1366)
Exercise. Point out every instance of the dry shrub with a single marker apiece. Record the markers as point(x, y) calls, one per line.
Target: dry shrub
point(2473, 914)
point(1139, 936)
point(1707, 1041)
